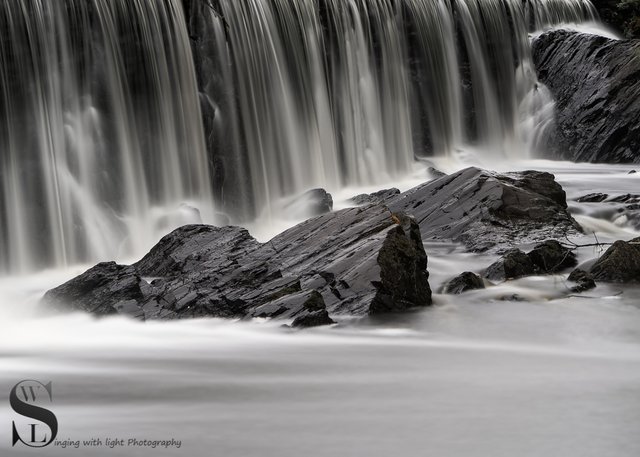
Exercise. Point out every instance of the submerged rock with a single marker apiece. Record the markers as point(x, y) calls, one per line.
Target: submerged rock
point(620, 263)
point(463, 283)
point(583, 279)
point(595, 82)
point(489, 211)
point(356, 261)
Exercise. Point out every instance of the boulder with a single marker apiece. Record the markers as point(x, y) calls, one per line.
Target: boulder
point(595, 82)
point(463, 282)
point(356, 261)
point(552, 257)
point(489, 211)
point(312, 203)
point(584, 281)
point(514, 264)
point(620, 263)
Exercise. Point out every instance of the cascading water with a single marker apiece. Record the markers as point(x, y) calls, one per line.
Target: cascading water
point(349, 92)
point(100, 126)
point(111, 118)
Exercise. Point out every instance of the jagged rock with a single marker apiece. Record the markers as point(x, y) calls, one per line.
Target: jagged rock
point(514, 264)
point(377, 197)
point(592, 198)
point(355, 261)
point(486, 210)
point(464, 282)
point(312, 203)
point(620, 263)
point(583, 279)
point(552, 257)
point(596, 84)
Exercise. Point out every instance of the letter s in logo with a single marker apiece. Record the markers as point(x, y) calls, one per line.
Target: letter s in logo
point(33, 392)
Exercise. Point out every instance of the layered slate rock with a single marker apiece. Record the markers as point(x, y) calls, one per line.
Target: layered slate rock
point(620, 263)
point(489, 211)
point(596, 85)
point(357, 261)
point(376, 197)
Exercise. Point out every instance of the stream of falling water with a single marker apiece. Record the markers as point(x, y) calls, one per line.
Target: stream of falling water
point(120, 120)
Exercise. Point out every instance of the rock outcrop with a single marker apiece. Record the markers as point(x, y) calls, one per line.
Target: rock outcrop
point(356, 261)
point(596, 84)
point(489, 211)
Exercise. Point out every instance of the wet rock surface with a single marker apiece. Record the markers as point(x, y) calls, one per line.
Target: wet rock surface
point(355, 261)
point(596, 84)
point(312, 203)
point(376, 197)
point(358, 261)
point(584, 281)
point(545, 258)
point(489, 211)
point(551, 257)
point(620, 263)
point(514, 264)
point(463, 283)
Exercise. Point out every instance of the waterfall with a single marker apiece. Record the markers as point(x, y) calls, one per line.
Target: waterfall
point(121, 119)
point(348, 92)
point(100, 128)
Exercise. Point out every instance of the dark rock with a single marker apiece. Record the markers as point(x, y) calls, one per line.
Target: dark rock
point(464, 282)
point(486, 210)
point(632, 172)
point(514, 264)
point(626, 198)
point(592, 198)
point(312, 319)
point(621, 15)
point(583, 279)
point(596, 84)
point(356, 261)
point(620, 263)
point(377, 197)
point(552, 257)
point(312, 203)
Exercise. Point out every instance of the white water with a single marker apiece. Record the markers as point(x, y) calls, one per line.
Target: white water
point(474, 375)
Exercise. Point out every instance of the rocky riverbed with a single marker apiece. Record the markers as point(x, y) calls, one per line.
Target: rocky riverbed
point(364, 260)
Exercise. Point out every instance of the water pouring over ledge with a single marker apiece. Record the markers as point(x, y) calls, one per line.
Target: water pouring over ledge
point(116, 127)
